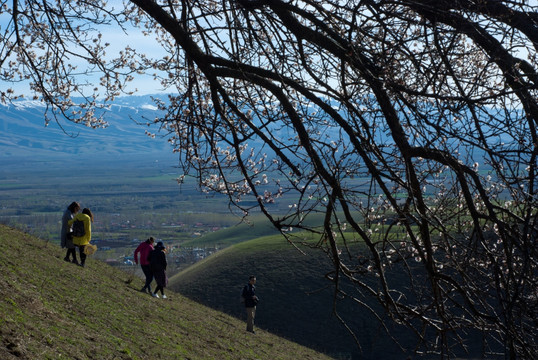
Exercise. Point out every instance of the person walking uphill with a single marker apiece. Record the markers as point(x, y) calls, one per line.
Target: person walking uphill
point(79, 240)
point(157, 262)
point(143, 250)
point(251, 300)
point(66, 237)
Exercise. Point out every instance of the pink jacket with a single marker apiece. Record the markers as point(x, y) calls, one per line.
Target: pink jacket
point(144, 249)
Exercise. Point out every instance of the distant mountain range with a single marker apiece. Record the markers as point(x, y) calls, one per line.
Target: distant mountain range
point(23, 132)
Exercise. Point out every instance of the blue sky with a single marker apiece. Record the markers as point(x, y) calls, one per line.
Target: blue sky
point(118, 41)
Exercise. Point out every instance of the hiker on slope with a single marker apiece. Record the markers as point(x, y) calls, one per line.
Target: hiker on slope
point(66, 237)
point(157, 261)
point(250, 299)
point(86, 217)
point(143, 250)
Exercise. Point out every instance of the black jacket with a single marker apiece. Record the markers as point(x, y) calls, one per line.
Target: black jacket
point(157, 260)
point(249, 291)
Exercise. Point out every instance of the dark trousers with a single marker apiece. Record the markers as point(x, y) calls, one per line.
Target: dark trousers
point(72, 252)
point(82, 254)
point(149, 276)
point(159, 287)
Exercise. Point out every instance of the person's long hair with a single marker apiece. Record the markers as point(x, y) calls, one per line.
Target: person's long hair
point(88, 212)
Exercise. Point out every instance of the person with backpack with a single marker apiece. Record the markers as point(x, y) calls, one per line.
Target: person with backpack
point(249, 298)
point(157, 262)
point(143, 249)
point(82, 231)
point(66, 236)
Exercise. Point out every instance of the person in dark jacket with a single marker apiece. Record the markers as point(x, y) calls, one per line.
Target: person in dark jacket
point(66, 237)
point(157, 262)
point(251, 300)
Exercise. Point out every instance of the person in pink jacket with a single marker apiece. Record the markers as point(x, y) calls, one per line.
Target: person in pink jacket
point(144, 249)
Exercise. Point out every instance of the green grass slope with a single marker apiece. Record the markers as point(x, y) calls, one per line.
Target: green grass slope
point(258, 226)
point(296, 299)
point(50, 309)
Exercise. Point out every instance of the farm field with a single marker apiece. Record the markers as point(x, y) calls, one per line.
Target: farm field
point(132, 199)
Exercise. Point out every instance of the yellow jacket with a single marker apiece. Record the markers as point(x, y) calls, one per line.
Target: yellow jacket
point(82, 240)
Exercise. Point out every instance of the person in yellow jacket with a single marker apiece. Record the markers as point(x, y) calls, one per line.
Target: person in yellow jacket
point(86, 217)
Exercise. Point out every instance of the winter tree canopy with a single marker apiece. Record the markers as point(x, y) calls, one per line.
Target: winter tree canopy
point(409, 125)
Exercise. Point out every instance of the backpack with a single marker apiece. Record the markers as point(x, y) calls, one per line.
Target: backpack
point(78, 228)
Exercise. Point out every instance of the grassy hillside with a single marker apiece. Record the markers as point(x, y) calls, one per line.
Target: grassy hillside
point(296, 299)
point(258, 226)
point(50, 309)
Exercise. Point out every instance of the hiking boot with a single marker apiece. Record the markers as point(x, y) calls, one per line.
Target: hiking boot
point(66, 259)
point(164, 297)
point(143, 290)
point(155, 295)
point(75, 261)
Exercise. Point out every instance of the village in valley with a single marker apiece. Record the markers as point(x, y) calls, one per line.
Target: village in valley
point(118, 250)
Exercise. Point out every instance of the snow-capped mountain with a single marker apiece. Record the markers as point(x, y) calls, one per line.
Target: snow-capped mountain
point(23, 131)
